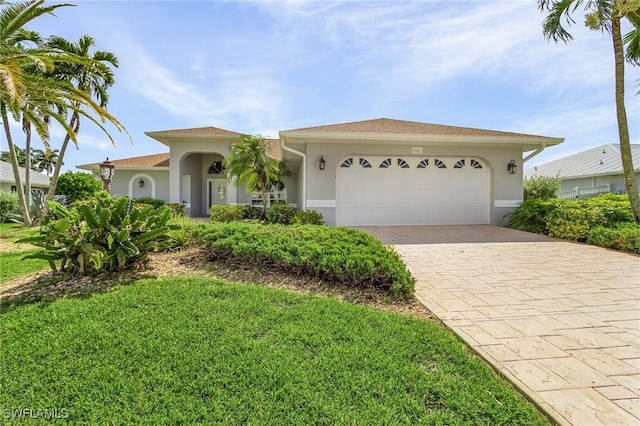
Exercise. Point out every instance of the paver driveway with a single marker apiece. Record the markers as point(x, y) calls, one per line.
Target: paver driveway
point(559, 319)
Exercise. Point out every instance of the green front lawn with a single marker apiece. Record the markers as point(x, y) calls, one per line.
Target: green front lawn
point(12, 265)
point(195, 350)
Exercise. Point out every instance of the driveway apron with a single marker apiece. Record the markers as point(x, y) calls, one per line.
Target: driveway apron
point(561, 320)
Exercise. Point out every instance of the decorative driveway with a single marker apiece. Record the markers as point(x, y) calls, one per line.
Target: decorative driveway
point(561, 320)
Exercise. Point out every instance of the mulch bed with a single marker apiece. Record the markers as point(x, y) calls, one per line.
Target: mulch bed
point(195, 261)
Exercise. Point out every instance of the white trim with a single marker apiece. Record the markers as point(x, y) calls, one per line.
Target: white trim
point(507, 203)
point(321, 203)
point(134, 179)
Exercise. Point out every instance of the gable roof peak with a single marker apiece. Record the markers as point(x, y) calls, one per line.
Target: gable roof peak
point(405, 127)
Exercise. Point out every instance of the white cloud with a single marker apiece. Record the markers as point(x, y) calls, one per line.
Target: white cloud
point(221, 97)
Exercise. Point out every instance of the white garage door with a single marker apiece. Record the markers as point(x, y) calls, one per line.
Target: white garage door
point(412, 191)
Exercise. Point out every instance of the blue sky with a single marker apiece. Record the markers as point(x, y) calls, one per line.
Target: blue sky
point(263, 66)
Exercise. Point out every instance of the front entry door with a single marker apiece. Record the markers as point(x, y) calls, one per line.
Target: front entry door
point(216, 192)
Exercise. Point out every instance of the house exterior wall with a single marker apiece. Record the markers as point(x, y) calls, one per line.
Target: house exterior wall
point(506, 189)
point(125, 182)
point(6, 187)
point(616, 182)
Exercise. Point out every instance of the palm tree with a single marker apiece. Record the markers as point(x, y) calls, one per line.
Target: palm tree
point(250, 164)
point(16, 59)
point(606, 16)
point(91, 74)
point(45, 161)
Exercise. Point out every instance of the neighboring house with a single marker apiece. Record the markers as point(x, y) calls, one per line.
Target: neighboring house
point(39, 181)
point(591, 172)
point(373, 172)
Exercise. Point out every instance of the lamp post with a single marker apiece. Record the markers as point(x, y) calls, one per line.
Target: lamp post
point(107, 170)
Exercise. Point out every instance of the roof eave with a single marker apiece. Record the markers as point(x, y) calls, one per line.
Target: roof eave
point(333, 137)
point(96, 166)
point(167, 137)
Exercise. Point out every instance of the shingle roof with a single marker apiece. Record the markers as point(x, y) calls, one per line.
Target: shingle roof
point(162, 160)
point(601, 160)
point(214, 131)
point(146, 161)
point(390, 126)
point(37, 179)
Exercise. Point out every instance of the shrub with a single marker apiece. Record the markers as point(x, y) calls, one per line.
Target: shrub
point(250, 212)
point(178, 209)
point(615, 208)
point(308, 217)
point(8, 205)
point(541, 187)
point(572, 221)
point(155, 202)
point(101, 235)
point(531, 214)
point(281, 213)
point(225, 213)
point(182, 229)
point(334, 254)
point(77, 186)
point(625, 237)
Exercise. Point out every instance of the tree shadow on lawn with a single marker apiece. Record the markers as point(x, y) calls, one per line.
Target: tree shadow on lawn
point(50, 286)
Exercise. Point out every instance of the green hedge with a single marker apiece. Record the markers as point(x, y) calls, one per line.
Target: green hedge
point(602, 220)
point(155, 202)
point(334, 254)
point(625, 237)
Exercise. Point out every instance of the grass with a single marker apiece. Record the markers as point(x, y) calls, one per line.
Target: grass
point(196, 350)
point(12, 265)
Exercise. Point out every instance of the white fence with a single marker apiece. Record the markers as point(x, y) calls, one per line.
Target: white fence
point(585, 192)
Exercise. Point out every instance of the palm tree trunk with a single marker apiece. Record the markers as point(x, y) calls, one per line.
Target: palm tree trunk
point(14, 165)
point(623, 126)
point(74, 123)
point(27, 164)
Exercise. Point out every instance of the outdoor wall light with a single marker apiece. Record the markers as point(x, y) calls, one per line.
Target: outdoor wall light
point(141, 183)
point(107, 170)
point(512, 167)
point(321, 163)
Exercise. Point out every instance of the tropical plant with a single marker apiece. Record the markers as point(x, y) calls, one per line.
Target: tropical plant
point(250, 164)
point(101, 235)
point(91, 74)
point(31, 90)
point(606, 16)
point(77, 186)
point(46, 160)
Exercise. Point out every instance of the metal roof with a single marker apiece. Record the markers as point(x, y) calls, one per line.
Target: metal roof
point(601, 160)
point(37, 179)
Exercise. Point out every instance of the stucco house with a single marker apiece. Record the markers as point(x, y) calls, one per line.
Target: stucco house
point(39, 181)
point(591, 172)
point(372, 172)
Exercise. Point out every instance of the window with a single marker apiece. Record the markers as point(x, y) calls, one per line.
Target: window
point(423, 164)
point(459, 164)
point(439, 164)
point(347, 163)
point(385, 164)
point(364, 163)
point(216, 168)
point(476, 164)
point(403, 164)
